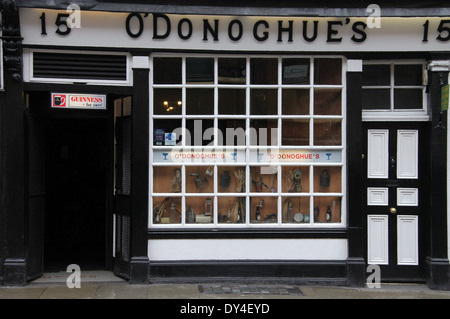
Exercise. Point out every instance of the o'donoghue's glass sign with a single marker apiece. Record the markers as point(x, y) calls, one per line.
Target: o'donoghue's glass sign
point(78, 101)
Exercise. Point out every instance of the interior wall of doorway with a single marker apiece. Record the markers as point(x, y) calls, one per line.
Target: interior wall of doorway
point(78, 172)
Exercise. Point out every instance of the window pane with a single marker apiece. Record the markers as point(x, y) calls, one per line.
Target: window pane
point(167, 173)
point(200, 70)
point(327, 71)
point(410, 74)
point(264, 71)
point(295, 179)
point(232, 101)
point(233, 132)
point(373, 99)
point(199, 210)
point(199, 101)
point(163, 127)
point(200, 132)
point(167, 70)
point(327, 209)
point(327, 102)
point(376, 74)
point(231, 210)
point(295, 71)
point(198, 181)
point(263, 132)
point(327, 179)
point(167, 101)
point(263, 102)
point(263, 209)
point(295, 132)
point(295, 210)
point(231, 179)
point(408, 98)
point(327, 132)
point(295, 101)
point(166, 210)
point(232, 71)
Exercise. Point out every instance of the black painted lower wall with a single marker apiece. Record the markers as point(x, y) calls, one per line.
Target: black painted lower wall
point(245, 271)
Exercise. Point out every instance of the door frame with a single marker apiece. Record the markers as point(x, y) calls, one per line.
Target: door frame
point(406, 273)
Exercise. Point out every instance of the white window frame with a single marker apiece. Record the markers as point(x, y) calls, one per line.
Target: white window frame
point(248, 148)
point(397, 114)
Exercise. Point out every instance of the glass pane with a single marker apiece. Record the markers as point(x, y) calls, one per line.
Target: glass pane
point(166, 210)
point(263, 179)
point(295, 101)
point(231, 210)
point(295, 132)
point(199, 179)
point(264, 132)
point(295, 71)
point(376, 99)
point(232, 132)
point(167, 179)
point(199, 210)
point(264, 71)
point(408, 98)
point(295, 210)
point(200, 132)
point(327, 102)
point(409, 74)
point(295, 179)
point(327, 179)
point(167, 101)
point(376, 75)
point(232, 101)
point(231, 179)
point(327, 132)
point(232, 71)
point(327, 71)
point(327, 209)
point(263, 102)
point(166, 132)
point(167, 70)
point(200, 70)
point(200, 101)
point(263, 209)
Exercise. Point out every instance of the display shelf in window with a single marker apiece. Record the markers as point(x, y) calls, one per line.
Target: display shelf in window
point(167, 210)
point(199, 209)
point(231, 179)
point(295, 210)
point(327, 209)
point(264, 209)
point(231, 210)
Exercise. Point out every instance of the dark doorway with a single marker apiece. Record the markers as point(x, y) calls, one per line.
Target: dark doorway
point(77, 193)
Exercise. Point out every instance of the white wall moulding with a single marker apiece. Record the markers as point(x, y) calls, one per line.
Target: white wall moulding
point(377, 239)
point(378, 155)
point(407, 240)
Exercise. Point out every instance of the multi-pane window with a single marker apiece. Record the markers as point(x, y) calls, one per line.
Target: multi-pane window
point(393, 86)
point(247, 141)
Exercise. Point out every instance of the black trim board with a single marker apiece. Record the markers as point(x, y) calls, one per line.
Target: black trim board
point(300, 272)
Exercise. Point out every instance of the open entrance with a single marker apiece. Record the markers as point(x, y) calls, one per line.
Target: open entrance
point(77, 193)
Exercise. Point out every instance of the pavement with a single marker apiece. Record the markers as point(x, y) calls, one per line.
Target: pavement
point(104, 285)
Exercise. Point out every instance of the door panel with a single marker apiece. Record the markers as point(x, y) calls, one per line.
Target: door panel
point(394, 200)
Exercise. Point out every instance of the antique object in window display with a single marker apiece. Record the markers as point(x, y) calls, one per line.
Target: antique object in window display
point(208, 207)
point(328, 213)
point(259, 184)
point(239, 173)
point(199, 180)
point(174, 214)
point(290, 211)
point(225, 180)
point(325, 179)
point(190, 215)
point(176, 184)
point(258, 210)
point(210, 171)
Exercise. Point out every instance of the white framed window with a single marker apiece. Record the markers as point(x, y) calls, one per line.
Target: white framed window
point(394, 90)
point(247, 141)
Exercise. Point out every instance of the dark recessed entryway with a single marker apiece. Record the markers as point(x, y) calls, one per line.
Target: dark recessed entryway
point(77, 155)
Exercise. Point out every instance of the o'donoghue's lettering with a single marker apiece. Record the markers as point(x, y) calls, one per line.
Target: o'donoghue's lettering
point(228, 308)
